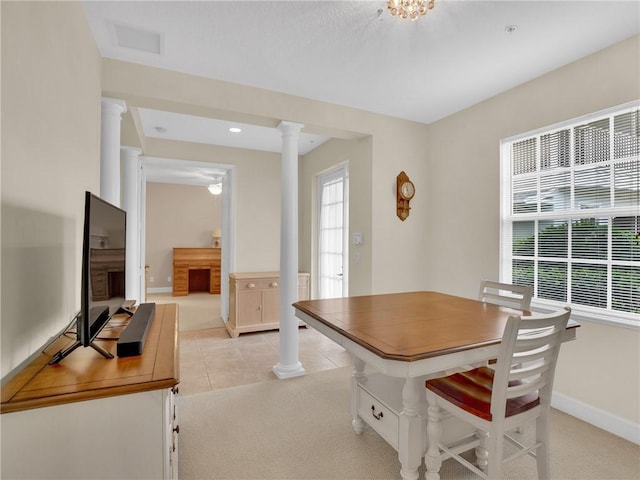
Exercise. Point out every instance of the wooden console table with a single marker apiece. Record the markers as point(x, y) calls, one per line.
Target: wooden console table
point(187, 260)
point(89, 417)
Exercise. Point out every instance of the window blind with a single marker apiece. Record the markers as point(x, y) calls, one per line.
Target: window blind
point(571, 213)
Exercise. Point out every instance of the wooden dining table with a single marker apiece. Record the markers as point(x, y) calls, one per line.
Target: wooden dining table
point(397, 341)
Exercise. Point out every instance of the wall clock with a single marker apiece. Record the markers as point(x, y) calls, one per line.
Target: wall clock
point(405, 190)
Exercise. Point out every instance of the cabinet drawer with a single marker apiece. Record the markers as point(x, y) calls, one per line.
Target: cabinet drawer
point(180, 275)
point(382, 419)
point(180, 284)
point(258, 283)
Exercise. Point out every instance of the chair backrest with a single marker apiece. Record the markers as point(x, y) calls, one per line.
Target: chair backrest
point(527, 358)
point(506, 294)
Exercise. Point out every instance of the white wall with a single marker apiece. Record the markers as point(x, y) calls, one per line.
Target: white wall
point(50, 156)
point(602, 369)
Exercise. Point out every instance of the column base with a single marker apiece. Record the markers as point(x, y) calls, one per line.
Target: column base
point(289, 371)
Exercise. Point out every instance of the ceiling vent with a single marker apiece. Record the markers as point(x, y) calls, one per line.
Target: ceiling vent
point(131, 37)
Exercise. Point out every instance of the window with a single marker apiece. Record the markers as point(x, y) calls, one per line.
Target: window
point(571, 214)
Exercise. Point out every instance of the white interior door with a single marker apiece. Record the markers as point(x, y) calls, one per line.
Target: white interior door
point(333, 223)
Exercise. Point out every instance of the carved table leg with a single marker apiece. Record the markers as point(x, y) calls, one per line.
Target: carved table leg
point(432, 459)
point(410, 442)
point(358, 376)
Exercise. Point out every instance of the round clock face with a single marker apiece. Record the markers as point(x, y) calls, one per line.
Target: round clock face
point(407, 190)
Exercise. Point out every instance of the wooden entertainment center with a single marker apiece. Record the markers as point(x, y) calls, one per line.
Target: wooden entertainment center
point(89, 417)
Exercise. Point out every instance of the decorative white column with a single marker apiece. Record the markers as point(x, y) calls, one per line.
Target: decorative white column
point(289, 365)
point(130, 201)
point(112, 110)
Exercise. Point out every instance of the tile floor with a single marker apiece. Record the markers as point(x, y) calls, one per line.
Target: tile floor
point(210, 359)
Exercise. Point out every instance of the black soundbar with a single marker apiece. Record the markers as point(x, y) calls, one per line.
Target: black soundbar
point(131, 341)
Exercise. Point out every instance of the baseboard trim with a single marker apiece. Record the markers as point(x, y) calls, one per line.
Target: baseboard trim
point(160, 290)
point(595, 416)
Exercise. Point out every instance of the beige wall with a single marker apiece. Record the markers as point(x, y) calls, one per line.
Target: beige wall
point(603, 368)
point(50, 156)
point(177, 216)
point(257, 198)
point(357, 155)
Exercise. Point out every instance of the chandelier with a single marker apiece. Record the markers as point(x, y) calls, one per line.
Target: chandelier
point(410, 9)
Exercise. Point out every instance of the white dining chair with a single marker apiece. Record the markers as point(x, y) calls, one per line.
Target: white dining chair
point(497, 401)
point(506, 294)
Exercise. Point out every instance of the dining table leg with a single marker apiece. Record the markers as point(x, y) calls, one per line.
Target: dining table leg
point(410, 441)
point(358, 376)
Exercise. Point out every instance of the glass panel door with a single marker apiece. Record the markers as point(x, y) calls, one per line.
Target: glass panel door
point(332, 234)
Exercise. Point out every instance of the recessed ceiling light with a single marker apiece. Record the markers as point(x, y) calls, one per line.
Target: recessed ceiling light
point(235, 130)
point(510, 28)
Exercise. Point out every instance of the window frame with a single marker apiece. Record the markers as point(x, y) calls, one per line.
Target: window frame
point(507, 218)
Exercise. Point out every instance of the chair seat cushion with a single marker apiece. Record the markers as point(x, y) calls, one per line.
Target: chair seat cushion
point(471, 391)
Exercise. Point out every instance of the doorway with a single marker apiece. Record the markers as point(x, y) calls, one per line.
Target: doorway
point(333, 227)
point(185, 172)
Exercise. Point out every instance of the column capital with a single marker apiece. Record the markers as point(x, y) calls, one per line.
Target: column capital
point(130, 150)
point(287, 127)
point(114, 105)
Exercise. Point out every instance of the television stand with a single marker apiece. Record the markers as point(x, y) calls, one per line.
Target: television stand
point(63, 353)
point(51, 413)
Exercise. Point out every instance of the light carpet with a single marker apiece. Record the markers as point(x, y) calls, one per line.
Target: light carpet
point(300, 429)
point(197, 311)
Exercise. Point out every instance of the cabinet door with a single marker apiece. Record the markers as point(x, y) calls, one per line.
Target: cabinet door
point(249, 308)
point(171, 434)
point(271, 305)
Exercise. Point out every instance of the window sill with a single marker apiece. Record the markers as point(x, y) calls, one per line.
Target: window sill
point(584, 314)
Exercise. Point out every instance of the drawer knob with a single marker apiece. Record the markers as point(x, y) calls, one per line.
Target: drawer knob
point(251, 285)
point(377, 416)
point(273, 284)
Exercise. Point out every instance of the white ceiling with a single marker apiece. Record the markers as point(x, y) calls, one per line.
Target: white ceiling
point(348, 53)
point(189, 128)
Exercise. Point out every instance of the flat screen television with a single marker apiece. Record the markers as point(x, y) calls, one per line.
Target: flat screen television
point(103, 272)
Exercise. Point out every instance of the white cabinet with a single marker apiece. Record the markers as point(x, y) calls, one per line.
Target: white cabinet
point(114, 437)
point(254, 301)
point(95, 418)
